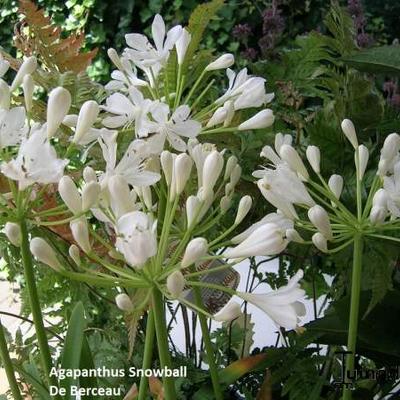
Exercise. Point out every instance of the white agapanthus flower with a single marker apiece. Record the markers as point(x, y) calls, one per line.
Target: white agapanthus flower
point(136, 237)
point(148, 57)
point(170, 127)
point(36, 161)
point(283, 305)
point(131, 166)
point(13, 126)
point(124, 77)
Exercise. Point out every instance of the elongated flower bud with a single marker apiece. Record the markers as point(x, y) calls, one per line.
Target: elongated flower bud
point(380, 198)
point(80, 232)
point(167, 163)
point(243, 209)
point(291, 156)
point(218, 117)
point(320, 219)
point(58, 106)
point(363, 156)
point(90, 195)
point(74, 253)
point(391, 146)
point(27, 67)
point(293, 236)
point(228, 313)
point(350, 132)
point(378, 215)
point(193, 205)
point(263, 119)
point(69, 194)
point(175, 283)
point(320, 242)
point(28, 87)
point(222, 62)
point(89, 175)
point(212, 168)
point(13, 233)
point(314, 158)
point(235, 175)
point(5, 95)
point(335, 183)
point(182, 45)
point(86, 118)
point(124, 302)
point(44, 253)
point(230, 165)
point(196, 249)
point(181, 173)
point(280, 140)
point(225, 203)
point(114, 57)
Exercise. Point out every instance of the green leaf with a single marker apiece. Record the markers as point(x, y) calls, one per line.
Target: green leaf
point(87, 363)
point(377, 60)
point(73, 344)
point(39, 388)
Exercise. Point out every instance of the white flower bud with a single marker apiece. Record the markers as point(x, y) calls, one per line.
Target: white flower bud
point(167, 163)
point(377, 215)
point(222, 62)
point(235, 175)
point(350, 132)
point(212, 169)
point(335, 183)
point(263, 119)
point(182, 45)
point(243, 209)
point(90, 195)
point(28, 86)
point(114, 57)
point(121, 198)
point(123, 302)
point(380, 198)
point(293, 236)
point(196, 249)
point(80, 232)
point(193, 205)
point(218, 117)
point(229, 189)
point(180, 175)
point(5, 96)
point(44, 253)
point(363, 156)
point(383, 167)
point(89, 175)
point(268, 153)
point(74, 253)
point(390, 147)
point(228, 313)
point(86, 118)
point(320, 242)
point(320, 219)
point(69, 194)
point(230, 165)
point(27, 67)
point(175, 283)
point(314, 158)
point(291, 156)
point(58, 106)
point(225, 203)
point(13, 233)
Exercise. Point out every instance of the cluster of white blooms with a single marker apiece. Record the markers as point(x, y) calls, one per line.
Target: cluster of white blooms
point(158, 200)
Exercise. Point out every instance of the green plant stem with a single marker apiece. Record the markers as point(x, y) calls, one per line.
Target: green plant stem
point(162, 342)
point(8, 366)
point(354, 308)
point(148, 354)
point(208, 347)
point(35, 306)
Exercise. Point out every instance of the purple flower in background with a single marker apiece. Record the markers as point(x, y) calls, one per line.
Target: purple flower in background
point(241, 32)
point(273, 22)
point(391, 89)
point(356, 11)
point(249, 54)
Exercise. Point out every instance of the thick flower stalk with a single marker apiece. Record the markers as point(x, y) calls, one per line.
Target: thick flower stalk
point(312, 204)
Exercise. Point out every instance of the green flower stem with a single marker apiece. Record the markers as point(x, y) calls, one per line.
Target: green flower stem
point(208, 347)
point(148, 354)
point(8, 366)
point(359, 197)
point(354, 308)
point(194, 87)
point(35, 306)
point(203, 93)
point(162, 342)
